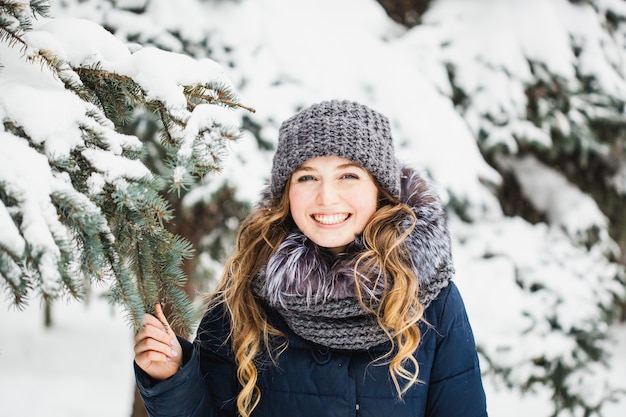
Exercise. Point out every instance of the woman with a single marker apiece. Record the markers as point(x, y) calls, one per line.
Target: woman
point(337, 300)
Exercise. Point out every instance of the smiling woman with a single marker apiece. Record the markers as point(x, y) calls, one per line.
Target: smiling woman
point(331, 199)
point(345, 263)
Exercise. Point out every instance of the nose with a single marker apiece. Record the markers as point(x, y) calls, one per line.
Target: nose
point(327, 194)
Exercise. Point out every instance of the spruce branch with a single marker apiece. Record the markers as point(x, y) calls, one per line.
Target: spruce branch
point(11, 31)
point(105, 217)
point(214, 93)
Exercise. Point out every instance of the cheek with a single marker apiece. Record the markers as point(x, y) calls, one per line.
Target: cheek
point(293, 198)
point(365, 203)
point(366, 198)
point(297, 203)
point(369, 208)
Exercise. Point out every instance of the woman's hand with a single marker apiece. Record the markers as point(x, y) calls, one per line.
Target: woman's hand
point(157, 350)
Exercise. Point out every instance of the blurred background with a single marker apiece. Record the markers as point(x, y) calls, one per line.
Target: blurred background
point(515, 109)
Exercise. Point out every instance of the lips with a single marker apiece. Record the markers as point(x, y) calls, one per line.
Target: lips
point(330, 218)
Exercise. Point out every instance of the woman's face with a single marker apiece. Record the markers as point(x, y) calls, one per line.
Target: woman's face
point(331, 199)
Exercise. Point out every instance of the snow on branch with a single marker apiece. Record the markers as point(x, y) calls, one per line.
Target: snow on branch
point(77, 204)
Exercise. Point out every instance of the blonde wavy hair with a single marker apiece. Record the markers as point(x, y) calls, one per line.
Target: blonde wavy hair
point(398, 312)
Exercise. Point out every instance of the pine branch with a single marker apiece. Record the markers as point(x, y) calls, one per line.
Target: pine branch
point(105, 215)
point(213, 94)
point(23, 11)
point(40, 7)
point(11, 32)
point(14, 277)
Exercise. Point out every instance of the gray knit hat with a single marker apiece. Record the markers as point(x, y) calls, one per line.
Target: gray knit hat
point(343, 128)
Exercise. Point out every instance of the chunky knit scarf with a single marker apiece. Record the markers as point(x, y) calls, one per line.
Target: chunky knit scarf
point(315, 291)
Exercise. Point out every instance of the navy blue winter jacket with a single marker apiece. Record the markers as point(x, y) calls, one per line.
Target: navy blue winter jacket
point(310, 380)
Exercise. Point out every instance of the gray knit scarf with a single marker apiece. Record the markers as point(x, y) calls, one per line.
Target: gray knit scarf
point(315, 291)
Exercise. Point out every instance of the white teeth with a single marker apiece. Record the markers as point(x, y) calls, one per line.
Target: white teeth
point(330, 218)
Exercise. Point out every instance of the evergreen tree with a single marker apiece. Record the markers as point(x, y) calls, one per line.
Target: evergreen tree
point(77, 204)
point(558, 133)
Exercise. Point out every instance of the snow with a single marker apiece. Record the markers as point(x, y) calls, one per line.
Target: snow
point(31, 192)
point(285, 62)
point(551, 193)
point(82, 366)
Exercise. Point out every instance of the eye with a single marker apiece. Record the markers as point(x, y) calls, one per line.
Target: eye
point(304, 178)
point(349, 176)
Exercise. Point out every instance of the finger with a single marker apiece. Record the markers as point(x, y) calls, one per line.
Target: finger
point(151, 320)
point(150, 347)
point(154, 363)
point(157, 350)
point(159, 315)
point(156, 332)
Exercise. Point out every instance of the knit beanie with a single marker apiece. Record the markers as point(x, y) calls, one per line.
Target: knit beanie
point(342, 128)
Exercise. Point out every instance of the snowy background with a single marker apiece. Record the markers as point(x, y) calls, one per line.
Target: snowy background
point(279, 61)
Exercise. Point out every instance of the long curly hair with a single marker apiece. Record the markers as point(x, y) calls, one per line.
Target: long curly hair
point(398, 313)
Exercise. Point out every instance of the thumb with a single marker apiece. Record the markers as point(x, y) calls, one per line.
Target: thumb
point(159, 315)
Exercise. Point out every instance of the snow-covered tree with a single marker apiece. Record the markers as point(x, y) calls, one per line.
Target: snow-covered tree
point(77, 204)
point(515, 108)
point(542, 88)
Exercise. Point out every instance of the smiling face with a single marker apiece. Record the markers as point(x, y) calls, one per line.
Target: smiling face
point(331, 200)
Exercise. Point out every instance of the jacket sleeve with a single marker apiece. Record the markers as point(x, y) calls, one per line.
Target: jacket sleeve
point(456, 388)
point(206, 384)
